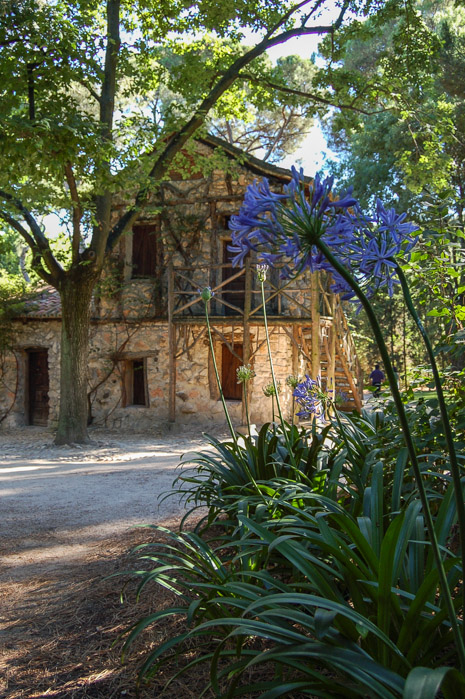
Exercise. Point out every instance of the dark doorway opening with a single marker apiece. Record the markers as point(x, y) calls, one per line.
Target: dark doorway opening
point(229, 365)
point(135, 383)
point(38, 385)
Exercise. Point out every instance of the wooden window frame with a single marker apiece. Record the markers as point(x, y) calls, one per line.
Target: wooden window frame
point(129, 390)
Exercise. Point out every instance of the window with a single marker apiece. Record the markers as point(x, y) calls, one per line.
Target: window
point(135, 383)
point(144, 250)
point(229, 365)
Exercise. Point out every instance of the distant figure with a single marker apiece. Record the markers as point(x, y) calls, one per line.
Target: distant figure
point(377, 377)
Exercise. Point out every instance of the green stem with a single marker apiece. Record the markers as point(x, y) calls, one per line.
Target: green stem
point(273, 377)
point(246, 408)
point(409, 443)
point(454, 465)
point(212, 350)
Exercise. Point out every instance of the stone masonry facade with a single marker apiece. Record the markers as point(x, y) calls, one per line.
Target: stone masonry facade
point(140, 319)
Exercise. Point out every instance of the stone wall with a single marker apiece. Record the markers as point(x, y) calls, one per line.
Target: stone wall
point(14, 389)
point(112, 345)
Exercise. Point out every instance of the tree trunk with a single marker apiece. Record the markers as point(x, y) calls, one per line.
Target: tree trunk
point(76, 296)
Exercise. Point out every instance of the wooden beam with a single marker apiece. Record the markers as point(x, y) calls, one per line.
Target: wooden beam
point(171, 347)
point(353, 387)
point(315, 313)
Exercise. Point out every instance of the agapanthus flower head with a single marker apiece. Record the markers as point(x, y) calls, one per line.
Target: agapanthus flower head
point(206, 293)
point(310, 396)
point(283, 228)
point(369, 247)
point(244, 373)
point(269, 389)
point(292, 381)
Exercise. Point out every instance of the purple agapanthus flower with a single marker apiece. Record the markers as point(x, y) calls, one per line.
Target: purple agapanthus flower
point(309, 395)
point(368, 248)
point(284, 227)
point(283, 230)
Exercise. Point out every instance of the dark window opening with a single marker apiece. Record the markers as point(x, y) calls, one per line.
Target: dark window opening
point(144, 250)
point(135, 384)
point(229, 365)
point(223, 222)
point(234, 292)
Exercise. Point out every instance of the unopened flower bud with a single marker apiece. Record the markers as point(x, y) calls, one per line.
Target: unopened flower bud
point(261, 272)
point(206, 293)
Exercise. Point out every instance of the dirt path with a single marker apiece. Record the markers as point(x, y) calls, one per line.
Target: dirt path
point(67, 517)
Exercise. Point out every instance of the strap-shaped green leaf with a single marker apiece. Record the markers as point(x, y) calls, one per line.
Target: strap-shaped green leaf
point(425, 683)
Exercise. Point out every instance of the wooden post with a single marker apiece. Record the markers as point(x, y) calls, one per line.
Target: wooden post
point(331, 371)
point(246, 332)
point(295, 364)
point(315, 313)
point(171, 346)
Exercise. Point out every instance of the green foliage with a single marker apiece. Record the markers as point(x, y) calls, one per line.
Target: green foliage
point(13, 285)
point(405, 66)
point(339, 599)
point(221, 479)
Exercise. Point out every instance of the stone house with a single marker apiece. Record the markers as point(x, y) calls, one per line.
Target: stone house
point(149, 360)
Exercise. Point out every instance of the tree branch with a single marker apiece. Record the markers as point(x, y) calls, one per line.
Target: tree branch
point(77, 210)
point(37, 241)
point(36, 255)
point(90, 90)
point(287, 16)
point(278, 136)
point(308, 95)
point(178, 140)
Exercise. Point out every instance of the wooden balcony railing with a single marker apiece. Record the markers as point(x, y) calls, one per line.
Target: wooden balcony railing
point(231, 297)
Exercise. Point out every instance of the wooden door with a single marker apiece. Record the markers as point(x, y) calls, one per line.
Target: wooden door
point(229, 365)
point(38, 387)
point(234, 292)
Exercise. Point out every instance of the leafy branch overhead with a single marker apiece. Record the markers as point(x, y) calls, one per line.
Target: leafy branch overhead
point(82, 82)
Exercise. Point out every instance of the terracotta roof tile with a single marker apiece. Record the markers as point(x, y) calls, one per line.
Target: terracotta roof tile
point(45, 303)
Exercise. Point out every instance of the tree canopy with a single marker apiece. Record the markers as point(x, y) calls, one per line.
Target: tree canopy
point(411, 150)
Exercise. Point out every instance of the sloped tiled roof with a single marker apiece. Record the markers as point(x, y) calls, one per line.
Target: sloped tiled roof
point(45, 303)
point(255, 165)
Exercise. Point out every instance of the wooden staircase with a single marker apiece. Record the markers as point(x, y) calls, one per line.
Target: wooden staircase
point(339, 365)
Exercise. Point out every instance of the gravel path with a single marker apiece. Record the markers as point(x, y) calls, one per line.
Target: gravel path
point(56, 503)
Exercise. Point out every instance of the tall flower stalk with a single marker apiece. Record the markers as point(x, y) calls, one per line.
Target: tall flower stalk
point(367, 307)
point(206, 295)
point(244, 375)
point(454, 465)
point(262, 270)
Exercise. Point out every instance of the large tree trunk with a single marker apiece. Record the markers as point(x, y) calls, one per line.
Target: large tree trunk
point(76, 296)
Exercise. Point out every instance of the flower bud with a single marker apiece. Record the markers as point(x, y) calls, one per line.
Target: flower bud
point(206, 293)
